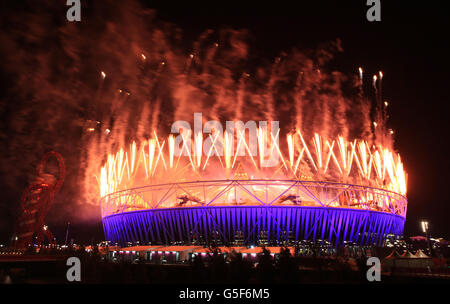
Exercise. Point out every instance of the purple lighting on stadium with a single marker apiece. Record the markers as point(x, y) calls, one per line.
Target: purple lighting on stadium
point(274, 221)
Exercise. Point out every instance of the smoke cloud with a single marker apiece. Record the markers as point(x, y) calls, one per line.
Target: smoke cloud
point(86, 89)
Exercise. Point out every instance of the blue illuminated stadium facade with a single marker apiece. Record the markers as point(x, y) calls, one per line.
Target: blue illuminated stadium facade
point(300, 210)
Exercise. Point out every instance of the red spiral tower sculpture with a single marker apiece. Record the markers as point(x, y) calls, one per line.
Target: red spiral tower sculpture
point(36, 202)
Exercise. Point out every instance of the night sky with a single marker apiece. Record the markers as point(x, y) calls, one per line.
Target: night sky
point(410, 46)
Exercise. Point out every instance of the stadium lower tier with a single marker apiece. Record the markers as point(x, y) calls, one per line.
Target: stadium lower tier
point(251, 225)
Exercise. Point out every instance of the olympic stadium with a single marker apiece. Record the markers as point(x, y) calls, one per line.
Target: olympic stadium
point(345, 192)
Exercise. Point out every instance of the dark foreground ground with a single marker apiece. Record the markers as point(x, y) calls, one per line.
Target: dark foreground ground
point(215, 270)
